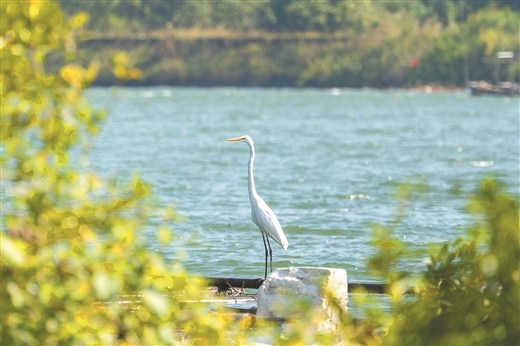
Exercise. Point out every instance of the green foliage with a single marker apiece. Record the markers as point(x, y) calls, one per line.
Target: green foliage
point(324, 16)
point(469, 293)
point(484, 34)
point(443, 63)
point(120, 16)
point(74, 265)
point(488, 30)
point(238, 15)
point(294, 15)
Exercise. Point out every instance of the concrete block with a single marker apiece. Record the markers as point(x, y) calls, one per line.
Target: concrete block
point(305, 292)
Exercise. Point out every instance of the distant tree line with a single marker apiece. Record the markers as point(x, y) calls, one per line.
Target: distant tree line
point(387, 43)
point(288, 16)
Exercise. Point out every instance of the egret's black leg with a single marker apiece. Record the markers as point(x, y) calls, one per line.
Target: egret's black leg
point(270, 254)
point(265, 247)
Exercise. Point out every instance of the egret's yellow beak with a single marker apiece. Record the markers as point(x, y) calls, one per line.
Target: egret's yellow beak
point(235, 139)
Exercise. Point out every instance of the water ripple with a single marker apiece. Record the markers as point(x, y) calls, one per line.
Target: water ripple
point(329, 163)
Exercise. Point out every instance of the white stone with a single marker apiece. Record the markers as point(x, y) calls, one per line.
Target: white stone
point(300, 292)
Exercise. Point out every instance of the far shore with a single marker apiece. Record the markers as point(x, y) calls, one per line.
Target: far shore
point(428, 89)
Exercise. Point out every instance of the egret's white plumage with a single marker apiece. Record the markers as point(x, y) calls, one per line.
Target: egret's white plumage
point(261, 214)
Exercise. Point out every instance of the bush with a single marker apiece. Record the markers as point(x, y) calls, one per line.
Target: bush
point(469, 292)
point(74, 265)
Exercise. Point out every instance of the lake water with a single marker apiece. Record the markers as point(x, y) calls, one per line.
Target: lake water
point(328, 162)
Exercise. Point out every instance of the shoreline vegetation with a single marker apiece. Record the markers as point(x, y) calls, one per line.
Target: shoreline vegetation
point(327, 44)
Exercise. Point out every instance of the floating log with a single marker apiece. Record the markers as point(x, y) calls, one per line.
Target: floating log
point(367, 287)
point(353, 287)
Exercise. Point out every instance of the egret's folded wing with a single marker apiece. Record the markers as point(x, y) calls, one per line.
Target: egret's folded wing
point(265, 219)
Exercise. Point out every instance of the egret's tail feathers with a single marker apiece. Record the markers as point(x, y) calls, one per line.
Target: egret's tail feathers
point(280, 238)
point(284, 243)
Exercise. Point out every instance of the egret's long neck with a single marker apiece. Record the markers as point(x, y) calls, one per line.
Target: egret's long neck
point(252, 190)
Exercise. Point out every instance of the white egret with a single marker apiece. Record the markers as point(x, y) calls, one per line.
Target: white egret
point(261, 214)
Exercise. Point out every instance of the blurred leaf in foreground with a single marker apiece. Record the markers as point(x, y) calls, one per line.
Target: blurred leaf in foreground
point(469, 292)
point(75, 269)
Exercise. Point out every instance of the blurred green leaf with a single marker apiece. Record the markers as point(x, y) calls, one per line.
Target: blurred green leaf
point(157, 303)
point(105, 285)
